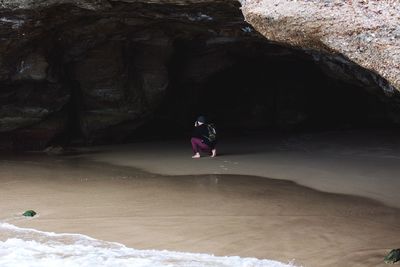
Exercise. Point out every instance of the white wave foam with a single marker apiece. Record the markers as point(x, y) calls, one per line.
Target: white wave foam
point(20, 247)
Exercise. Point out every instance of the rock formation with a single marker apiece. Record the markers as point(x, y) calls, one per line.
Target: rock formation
point(99, 68)
point(366, 32)
point(96, 70)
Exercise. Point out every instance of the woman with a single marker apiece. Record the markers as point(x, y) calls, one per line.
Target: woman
point(200, 139)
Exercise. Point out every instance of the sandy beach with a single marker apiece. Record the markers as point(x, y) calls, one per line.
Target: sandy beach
point(330, 202)
point(362, 163)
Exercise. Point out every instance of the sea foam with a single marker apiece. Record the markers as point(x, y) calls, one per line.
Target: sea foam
point(21, 247)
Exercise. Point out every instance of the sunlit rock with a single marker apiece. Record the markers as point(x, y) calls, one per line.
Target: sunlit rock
point(363, 32)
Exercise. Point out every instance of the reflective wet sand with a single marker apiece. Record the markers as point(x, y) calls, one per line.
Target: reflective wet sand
point(215, 214)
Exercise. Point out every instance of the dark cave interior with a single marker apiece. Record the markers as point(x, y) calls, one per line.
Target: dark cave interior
point(263, 91)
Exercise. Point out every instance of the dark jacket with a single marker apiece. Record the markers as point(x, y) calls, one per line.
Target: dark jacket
point(202, 133)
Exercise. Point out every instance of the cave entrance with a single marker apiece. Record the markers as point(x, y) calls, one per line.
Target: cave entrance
point(257, 86)
point(162, 65)
point(141, 70)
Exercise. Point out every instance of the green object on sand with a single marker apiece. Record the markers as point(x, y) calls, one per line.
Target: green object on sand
point(29, 213)
point(393, 256)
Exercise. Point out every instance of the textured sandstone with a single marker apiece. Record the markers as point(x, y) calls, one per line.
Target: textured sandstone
point(366, 32)
point(98, 69)
point(101, 68)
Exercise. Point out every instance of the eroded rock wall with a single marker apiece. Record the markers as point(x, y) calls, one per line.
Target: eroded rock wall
point(361, 32)
point(96, 70)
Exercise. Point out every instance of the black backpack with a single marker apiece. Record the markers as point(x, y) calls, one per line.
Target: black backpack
point(212, 133)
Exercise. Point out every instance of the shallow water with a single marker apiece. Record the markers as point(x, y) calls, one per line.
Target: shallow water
point(361, 163)
point(225, 215)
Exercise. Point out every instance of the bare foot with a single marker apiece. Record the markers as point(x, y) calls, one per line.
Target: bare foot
point(214, 153)
point(196, 156)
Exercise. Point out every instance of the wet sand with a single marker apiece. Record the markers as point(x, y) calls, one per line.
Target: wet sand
point(211, 213)
point(362, 163)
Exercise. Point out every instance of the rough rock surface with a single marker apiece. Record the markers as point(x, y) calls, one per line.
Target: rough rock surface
point(366, 32)
point(99, 69)
point(96, 70)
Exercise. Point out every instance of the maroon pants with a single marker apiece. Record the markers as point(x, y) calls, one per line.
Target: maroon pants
point(198, 145)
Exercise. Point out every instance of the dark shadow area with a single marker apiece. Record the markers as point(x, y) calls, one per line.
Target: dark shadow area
point(248, 89)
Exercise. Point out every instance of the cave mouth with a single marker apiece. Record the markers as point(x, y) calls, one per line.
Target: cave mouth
point(137, 71)
point(258, 87)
